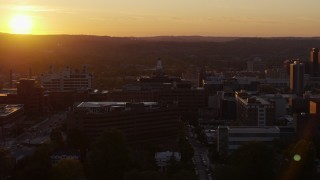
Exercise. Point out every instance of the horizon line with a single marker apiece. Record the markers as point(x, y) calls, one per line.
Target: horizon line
point(155, 36)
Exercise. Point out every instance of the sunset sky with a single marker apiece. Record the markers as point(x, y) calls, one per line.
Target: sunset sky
point(166, 17)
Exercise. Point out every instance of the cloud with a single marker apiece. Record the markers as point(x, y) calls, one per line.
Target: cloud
point(35, 9)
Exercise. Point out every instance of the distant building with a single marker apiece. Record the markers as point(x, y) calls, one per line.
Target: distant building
point(307, 125)
point(67, 80)
point(201, 77)
point(297, 77)
point(228, 108)
point(32, 96)
point(29, 94)
point(230, 138)
point(315, 108)
point(140, 122)
point(314, 62)
point(254, 111)
point(212, 84)
point(299, 104)
point(280, 105)
point(256, 65)
point(276, 73)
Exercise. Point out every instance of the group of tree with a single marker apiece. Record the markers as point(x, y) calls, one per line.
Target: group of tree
point(6, 163)
point(108, 157)
point(256, 160)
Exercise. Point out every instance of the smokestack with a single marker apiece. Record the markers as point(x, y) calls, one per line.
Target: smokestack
point(10, 78)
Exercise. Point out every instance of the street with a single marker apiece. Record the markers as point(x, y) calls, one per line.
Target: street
point(200, 157)
point(35, 135)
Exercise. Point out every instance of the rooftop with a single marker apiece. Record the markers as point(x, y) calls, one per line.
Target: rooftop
point(252, 129)
point(110, 103)
point(6, 109)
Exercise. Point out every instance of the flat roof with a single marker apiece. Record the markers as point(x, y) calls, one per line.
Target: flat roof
point(109, 103)
point(253, 129)
point(7, 109)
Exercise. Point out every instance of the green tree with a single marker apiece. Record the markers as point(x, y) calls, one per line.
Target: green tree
point(6, 163)
point(38, 165)
point(76, 139)
point(56, 137)
point(225, 172)
point(144, 175)
point(108, 157)
point(68, 169)
point(185, 175)
point(186, 149)
point(253, 160)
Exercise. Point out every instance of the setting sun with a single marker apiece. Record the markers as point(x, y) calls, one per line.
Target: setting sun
point(21, 24)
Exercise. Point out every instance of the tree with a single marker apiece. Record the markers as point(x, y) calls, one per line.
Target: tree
point(299, 161)
point(108, 157)
point(38, 165)
point(68, 169)
point(225, 172)
point(56, 137)
point(185, 175)
point(6, 163)
point(253, 160)
point(144, 175)
point(76, 139)
point(186, 149)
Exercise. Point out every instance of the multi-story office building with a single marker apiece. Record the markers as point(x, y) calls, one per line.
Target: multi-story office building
point(28, 94)
point(314, 62)
point(67, 80)
point(188, 101)
point(140, 122)
point(297, 77)
point(254, 111)
point(32, 96)
point(231, 138)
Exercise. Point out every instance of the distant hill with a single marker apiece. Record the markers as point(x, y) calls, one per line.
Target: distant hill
point(104, 53)
point(188, 38)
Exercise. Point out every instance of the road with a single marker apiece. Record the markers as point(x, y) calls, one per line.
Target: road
point(200, 157)
point(37, 134)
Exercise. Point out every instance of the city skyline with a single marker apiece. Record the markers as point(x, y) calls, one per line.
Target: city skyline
point(167, 18)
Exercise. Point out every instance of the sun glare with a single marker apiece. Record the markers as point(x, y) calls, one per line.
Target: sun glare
point(21, 24)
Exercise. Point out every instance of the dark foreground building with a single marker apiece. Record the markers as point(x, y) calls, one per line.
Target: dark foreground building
point(140, 122)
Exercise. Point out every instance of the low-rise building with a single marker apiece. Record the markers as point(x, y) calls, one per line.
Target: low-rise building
point(253, 110)
point(140, 122)
point(67, 80)
point(230, 138)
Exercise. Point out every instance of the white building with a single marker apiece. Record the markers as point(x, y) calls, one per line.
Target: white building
point(231, 138)
point(67, 80)
point(163, 159)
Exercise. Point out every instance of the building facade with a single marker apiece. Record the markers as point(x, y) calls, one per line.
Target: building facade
point(231, 138)
point(140, 122)
point(297, 77)
point(67, 80)
point(254, 111)
point(314, 62)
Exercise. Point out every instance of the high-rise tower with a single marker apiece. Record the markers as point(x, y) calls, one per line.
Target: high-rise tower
point(297, 77)
point(314, 62)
